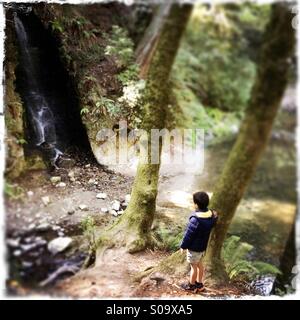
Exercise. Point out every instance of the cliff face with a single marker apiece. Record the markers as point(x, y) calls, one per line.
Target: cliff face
point(98, 53)
point(96, 47)
point(14, 112)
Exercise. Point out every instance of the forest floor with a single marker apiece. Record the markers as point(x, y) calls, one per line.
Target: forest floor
point(30, 220)
point(43, 210)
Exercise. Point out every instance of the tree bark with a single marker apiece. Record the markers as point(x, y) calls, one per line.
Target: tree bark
point(287, 261)
point(271, 81)
point(133, 228)
point(147, 45)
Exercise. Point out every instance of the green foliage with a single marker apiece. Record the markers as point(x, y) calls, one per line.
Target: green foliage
point(129, 74)
point(84, 110)
point(210, 61)
point(89, 230)
point(238, 266)
point(79, 21)
point(167, 239)
point(57, 26)
point(120, 45)
point(13, 191)
point(112, 106)
point(215, 67)
point(21, 141)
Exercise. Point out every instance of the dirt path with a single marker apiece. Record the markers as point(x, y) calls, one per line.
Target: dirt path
point(114, 277)
point(263, 219)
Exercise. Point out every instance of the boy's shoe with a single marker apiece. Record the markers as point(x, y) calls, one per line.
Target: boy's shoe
point(199, 286)
point(189, 287)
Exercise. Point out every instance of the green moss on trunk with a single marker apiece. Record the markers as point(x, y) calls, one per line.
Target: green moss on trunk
point(271, 80)
point(136, 221)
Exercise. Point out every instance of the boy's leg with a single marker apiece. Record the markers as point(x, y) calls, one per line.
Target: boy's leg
point(200, 272)
point(193, 274)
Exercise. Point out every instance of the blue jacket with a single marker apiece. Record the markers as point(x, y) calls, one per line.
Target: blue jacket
point(197, 232)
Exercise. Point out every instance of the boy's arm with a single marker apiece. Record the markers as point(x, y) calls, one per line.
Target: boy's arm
point(189, 233)
point(215, 216)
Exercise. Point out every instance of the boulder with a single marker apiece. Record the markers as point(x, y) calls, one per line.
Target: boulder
point(59, 244)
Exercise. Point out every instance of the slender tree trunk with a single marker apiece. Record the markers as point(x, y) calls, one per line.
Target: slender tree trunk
point(133, 228)
point(287, 261)
point(271, 81)
point(147, 45)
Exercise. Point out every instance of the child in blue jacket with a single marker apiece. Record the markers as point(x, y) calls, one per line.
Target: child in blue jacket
point(196, 238)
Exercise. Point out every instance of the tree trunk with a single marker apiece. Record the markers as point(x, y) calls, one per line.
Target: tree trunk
point(287, 261)
point(271, 81)
point(133, 228)
point(147, 45)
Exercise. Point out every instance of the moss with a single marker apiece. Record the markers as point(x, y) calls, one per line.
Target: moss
point(135, 224)
point(98, 53)
point(14, 138)
point(267, 92)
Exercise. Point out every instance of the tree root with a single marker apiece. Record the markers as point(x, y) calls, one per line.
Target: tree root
point(175, 265)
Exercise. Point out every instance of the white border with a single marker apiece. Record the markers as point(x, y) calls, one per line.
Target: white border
point(3, 265)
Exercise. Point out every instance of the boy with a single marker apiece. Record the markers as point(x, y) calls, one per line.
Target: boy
point(196, 238)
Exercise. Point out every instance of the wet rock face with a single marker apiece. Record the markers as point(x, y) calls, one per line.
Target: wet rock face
point(15, 161)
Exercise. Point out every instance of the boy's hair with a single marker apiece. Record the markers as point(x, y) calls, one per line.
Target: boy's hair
point(201, 199)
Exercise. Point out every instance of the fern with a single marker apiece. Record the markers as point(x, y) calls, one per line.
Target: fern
point(13, 191)
point(266, 268)
point(235, 253)
point(88, 226)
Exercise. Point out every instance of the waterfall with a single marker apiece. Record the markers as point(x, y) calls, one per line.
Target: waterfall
point(40, 116)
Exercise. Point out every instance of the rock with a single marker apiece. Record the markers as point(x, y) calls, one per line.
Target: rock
point(91, 181)
point(101, 195)
point(83, 207)
point(13, 243)
point(120, 212)
point(46, 200)
point(87, 165)
point(56, 228)
point(127, 198)
point(32, 226)
point(71, 211)
point(17, 253)
point(71, 174)
point(66, 163)
point(158, 277)
point(59, 244)
point(28, 247)
point(30, 193)
point(61, 185)
point(124, 205)
point(55, 179)
point(61, 234)
point(113, 212)
point(116, 205)
point(27, 264)
point(104, 210)
point(28, 240)
point(43, 227)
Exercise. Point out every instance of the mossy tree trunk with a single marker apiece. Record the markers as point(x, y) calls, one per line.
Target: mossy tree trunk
point(147, 45)
point(133, 228)
point(271, 81)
